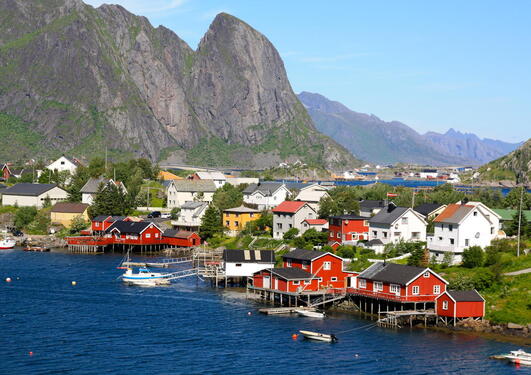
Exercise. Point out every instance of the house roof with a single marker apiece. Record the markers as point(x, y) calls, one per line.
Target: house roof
point(371, 204)
point(92, 185)
point(28, 189)
point(465, 295)
point(130, 226)
point(108, 218)
point(242, 209)
point(291, 273)
point(316, 221)
point(303, 254)
point(168, 176)
point(215, 175)
point(191, 205)
point(174, 233)
point(507, 214)
point(427, 208)
point(249, 256)
point(388, 215)
point(454, 213)
point(70, 208)
point(391, 273)
point(204, 186)
point(349, 217)
point(289, 206)
point(374, 242)
point(266, 188)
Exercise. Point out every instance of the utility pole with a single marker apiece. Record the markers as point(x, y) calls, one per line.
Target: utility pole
point(520, 221)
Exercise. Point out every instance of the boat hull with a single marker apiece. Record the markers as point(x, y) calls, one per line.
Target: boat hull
point(318, 336)
point(311, 314)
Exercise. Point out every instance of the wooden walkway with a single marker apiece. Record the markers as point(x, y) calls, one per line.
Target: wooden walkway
point(165, 263)
point(395, 318)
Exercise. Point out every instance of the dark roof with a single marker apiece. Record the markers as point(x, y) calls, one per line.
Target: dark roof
point(129, 226)
point(374, 242)
point(92, 185)
point(26, 188)
point(388, 215)
point(302, 254)
point(204, 186)
point(465, 295)
point(100, 217)
point(370, 204)
point(249, 256)
point(391, 273)
point(349, 217)
point(71, 208)
point(291, 273)
point(266, 188)
point(112, 218)
point(175, 233)
point(3, 186)
point(427, 208)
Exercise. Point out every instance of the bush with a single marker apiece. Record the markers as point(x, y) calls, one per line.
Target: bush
point(78, 224)
point(175, 211)
point(473, 257)
point(299, 243)
point(484, 280)
point(291, 234)
point(345, 251)
point(461, 282)
point(24, 216)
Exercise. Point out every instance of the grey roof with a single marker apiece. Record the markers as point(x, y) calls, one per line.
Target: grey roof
point(249, 256)
point(266, 188)
point(191, 205)
point(28, 189)
point(175, 233)
point(391, 273)
point(291, 273)
point(204, 186)
point(135, 227)
point(371, 204)
point(241, 209)
point(101, 217)
point(465, 295)
point(92, 185)
point(3, 186)
point(388, 215)
point(302, 254)
point(427, 208)
point(374, 242)
point(349, 217)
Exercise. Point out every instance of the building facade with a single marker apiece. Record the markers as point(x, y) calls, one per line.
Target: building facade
point(291, 214)
point(235, 219)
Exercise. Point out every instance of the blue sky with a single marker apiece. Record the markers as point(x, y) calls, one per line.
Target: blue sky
point(432, 65)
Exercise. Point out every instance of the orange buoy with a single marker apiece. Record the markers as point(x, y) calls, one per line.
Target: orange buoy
point(8, 279)
point(30, 353)
point(294, 336)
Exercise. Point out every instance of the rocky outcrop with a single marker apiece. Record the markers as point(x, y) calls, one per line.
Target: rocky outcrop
point(77, 79)
point(516, 164)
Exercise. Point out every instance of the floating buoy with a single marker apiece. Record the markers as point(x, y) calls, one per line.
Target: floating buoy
point(8, 279)
point(30, 353)
point(74, 283)
point(249, 313)
point(356, 355)
point(294, 336)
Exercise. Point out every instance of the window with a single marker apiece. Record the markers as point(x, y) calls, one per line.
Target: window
point(393, 288)
point(384, 234)
point(279, 225)
point(289, 262)
point(148, 235)
point(415, 235)
point(227, 223)
point(436, 289)
point(427, 274)
point(450, 227)
point(377, 286)
point(475, 213)
point(451, 241)
point(307, 282)
point(416, 290)
point(296, 282)
point(236, 215)
point(251, 215)
point(332, 234)
point(238, 264)
point(236, 223)
point(467, 242)
point(374, 233)
point(404, 220)
point(327, 265)
point(156, 235)
point(440, 238)
point(397, 234)
point(445, 305)
point(290, 226)
point(362, 283)
point(338, 235)
point(333, 279)
point(305, 265)
point(97, 224)
point(365, 223)
point(491, 230)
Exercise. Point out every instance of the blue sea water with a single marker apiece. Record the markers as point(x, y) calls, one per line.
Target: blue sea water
point(100, 326)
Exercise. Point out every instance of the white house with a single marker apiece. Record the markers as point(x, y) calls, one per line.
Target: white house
point(179, 192)
point(320, 225)
point(27, 195)
point(460, 226)
point(312, 194)
point(428, 173)
point(64, 164)
point(265, 195)
point(369, 208)
point(291, 214)
point(190, 216)
point(90, 189)
point(430, 210)
point(243, 263)
point(218, 178)
point(393, 224)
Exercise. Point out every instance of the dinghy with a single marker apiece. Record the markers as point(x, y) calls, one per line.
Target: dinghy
point(318, 336)
point(311, 314)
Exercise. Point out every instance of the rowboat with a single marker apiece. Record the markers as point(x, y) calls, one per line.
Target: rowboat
point(311, 314)
point(318, 336)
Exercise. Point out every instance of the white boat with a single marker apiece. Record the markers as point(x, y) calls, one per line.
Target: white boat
point(7, 243)
point(311, 314)
point(145, 277)
point(519, 357)
point(318, 336)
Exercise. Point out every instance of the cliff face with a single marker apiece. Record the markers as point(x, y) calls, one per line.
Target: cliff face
point(514, 166)
point(77, 79)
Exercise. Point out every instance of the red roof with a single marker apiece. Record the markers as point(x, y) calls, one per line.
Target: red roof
point(289, 206)
point(316, 221)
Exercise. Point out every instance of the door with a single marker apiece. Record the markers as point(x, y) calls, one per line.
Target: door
point(267, 282)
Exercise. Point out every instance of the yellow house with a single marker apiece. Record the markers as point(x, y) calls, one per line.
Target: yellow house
point(64, 212)
point(235, 219)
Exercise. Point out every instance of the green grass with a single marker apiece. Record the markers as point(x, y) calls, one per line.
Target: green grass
point(19, 139)
point(267, 244)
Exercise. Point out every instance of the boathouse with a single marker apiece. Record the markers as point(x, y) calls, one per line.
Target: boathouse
point(290, 280)
point(135, 233)
point(241, 263)
point(102, 222)
point(181, 238)
point(453, 305)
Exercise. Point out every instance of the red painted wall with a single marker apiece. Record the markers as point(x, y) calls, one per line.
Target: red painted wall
point(347, 227)
point(463, 309)
point(192, 240)
point(154, 232)
point(283, 285)
point(439, 310)
point(426, 285)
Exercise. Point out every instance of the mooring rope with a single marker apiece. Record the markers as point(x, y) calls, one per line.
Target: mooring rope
point(355, 329)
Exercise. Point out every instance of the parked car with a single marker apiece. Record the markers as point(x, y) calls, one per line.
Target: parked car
point(165, 215)
point(154, 215)
point(17, 233)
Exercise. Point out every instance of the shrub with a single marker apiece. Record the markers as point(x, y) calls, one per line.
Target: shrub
point(175, 211)
point(24, 216)
point(291, 234)
point(473, 257)
point(345, 251)
point(484, 280)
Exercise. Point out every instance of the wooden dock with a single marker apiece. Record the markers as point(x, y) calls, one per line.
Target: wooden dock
point(396, 318)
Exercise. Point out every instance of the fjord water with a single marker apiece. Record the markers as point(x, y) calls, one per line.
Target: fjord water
point(100, 326)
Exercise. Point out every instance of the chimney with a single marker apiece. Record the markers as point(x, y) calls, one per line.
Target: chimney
point(391, 206)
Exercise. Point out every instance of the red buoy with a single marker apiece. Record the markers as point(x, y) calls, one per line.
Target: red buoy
point(294, 336)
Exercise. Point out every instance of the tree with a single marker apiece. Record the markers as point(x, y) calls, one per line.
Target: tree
point(291, 234)
point(78, 180)
point(512, 199)
point(448, 259)
point(227, 196)
point(77, 224)
point(512, 226)
point(342, 200)
point(473, 257)
point(344, 251)
point(110, 200)
point(175, 211)
point(24, 216)
point(417, 254)
point(47, 202)
point(211, 223)
point(314, 237)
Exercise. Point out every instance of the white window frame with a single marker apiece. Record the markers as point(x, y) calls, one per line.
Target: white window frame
point(327, 266)
point(436, 289)
point(445, 305)
point(148, 235)
point(288, 263)
point(427, 274)
point(307, 282)
point(296, 282)
point(394, 288)
point(377, 286)
point(415, 290)
point(362, 283)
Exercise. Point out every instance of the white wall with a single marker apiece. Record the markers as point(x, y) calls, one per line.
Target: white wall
point(400, 230)
point(268, 202)
point(56, 195)
point(288, 221)
point(246, 268)
point(176, 198)
point(62, 164)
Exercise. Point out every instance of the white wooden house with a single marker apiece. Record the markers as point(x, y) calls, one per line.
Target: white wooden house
point(179, 192)
point(244, 263)
point(393, 224)
point(265, 195)
point(291, 214)
point(64, 164)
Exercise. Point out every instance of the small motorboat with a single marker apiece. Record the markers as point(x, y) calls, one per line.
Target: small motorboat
point(7, 243)
point(41, 249)
point(519, 357)
point(311, 313)
point(319, 336)
point(145, 277)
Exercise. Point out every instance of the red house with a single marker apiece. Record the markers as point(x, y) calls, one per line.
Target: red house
point(399, 283)
point(290, 280)
point(181, 238)
point(459, 304)
point(102, 222)
point(346, 228)
point(135, 233)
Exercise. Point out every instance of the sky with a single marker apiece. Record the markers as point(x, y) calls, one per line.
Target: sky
point(432, 65)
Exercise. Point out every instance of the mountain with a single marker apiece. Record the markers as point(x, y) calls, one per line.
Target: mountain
point(77, 79)
point(375, 140)
point(516, 166)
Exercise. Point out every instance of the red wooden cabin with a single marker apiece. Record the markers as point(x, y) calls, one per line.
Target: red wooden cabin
point(181, 238)
point(400, 283)
point(102, 222)
point(135, 233)
point(347, 228)
point(291, 280)
point(460, 304)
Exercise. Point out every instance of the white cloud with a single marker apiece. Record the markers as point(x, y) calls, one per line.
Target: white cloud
point(141, 7)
